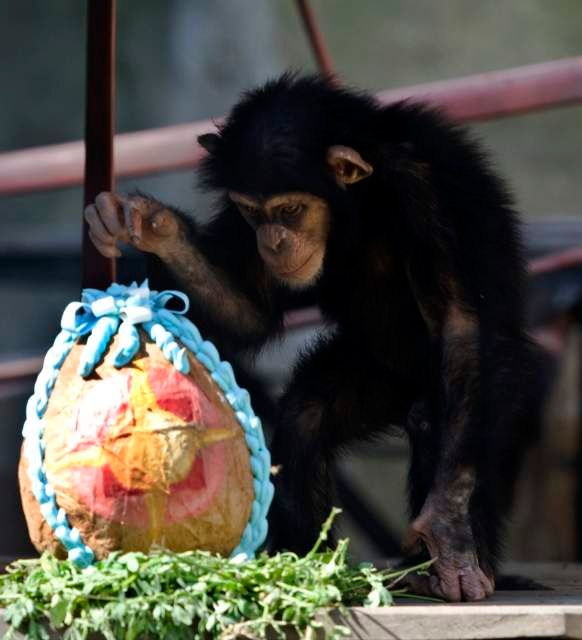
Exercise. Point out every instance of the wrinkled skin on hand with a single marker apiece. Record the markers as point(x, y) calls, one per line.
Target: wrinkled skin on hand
point(444, 527)
point(135, 220)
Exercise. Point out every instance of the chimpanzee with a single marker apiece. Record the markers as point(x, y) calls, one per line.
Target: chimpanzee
point(393, 220)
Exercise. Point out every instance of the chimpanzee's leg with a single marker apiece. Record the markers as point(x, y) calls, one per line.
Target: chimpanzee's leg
point(446, 525)
point(461, 522)
point(335, 398)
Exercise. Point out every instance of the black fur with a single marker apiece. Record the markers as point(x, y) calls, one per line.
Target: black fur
point(434, 225)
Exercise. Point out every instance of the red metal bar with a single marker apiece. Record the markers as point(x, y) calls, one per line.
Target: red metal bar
point(139, 153)
point(311, 316)
point(98, 271)
point(24, 367)
point(500, 93)
point(489, 95)
point(554, 261)
point(20, 367)
point(316, 40)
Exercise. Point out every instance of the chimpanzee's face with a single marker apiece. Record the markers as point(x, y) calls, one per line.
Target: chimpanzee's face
point(291, 230)
point(292, 227)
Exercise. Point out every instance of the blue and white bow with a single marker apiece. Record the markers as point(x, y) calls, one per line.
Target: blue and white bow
point(119, 309)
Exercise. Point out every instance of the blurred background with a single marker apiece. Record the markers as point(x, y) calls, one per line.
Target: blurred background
point(184, 60)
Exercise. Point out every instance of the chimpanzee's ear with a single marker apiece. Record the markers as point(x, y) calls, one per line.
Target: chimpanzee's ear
point(209, 141)
point(347, 165)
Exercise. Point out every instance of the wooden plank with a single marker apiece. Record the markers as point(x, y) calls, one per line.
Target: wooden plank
point(460, 622)
point(523, 614)
point(444, 623)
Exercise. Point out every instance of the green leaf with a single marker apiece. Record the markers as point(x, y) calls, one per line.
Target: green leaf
point(58, 612)
point(131, 562)
point(248, 609)
point(48, 563)
point(379, 596)
point(289, 614)
point(181, 616)
point(73, 633)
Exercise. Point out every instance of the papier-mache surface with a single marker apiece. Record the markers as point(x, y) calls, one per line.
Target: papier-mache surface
point(144, 442)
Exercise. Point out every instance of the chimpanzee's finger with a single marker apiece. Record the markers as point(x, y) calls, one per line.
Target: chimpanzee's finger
point(96, 225)
point(133, 221)
point(434, 586)
point(105, 249)
point(110, 211)
point(425, 585)
point(476, 584)
point(447, 587)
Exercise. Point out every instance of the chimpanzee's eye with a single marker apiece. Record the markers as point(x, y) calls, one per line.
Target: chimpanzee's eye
point(248, 210)
point(292, 209)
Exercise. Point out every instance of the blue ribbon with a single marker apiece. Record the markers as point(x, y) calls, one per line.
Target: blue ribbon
point(120, 308)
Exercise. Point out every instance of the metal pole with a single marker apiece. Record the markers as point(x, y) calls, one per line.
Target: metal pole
point(98, 271)
point(316, 40)
point(578, 458)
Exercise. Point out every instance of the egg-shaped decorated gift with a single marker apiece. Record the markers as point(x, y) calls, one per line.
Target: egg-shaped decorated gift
point(137, 436)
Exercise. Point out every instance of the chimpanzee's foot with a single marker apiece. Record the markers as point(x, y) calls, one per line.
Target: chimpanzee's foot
point(456, 572)
point(454, 581)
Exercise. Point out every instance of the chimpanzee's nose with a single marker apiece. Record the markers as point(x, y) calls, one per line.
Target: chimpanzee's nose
point(277, 244)
point(274, 238)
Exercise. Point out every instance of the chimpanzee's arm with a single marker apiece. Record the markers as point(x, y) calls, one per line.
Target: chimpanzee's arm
point(459, 438)
point(223, 282)
point(215, 265)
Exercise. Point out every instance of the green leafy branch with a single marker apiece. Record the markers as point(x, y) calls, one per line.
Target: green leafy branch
point(192, 595)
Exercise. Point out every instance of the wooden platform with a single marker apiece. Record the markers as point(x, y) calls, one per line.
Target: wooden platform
point(553, 613)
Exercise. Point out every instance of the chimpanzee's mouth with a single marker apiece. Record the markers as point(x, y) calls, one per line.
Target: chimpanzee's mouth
point(295, 270)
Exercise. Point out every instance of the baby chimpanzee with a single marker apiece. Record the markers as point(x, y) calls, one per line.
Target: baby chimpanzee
point(392, 219)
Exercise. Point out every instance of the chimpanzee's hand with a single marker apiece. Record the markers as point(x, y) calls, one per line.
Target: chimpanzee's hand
point(456, 572)
point(145, 224)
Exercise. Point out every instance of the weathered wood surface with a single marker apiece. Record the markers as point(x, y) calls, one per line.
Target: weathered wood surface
point(455, 622)
point(556, 613)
